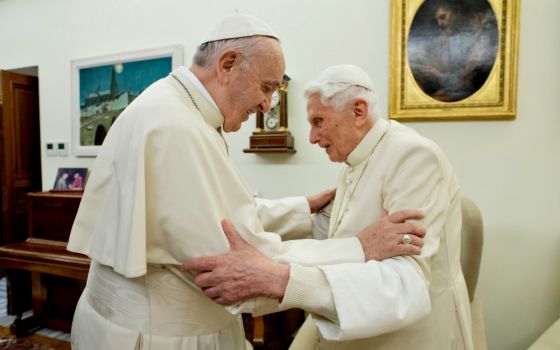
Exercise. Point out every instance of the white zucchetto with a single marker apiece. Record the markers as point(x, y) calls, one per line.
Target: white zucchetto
point(345, 74)
point(238, 26)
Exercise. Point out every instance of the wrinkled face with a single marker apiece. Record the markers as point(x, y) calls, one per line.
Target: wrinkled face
point(332, 129)
point(444, 17)
point(251, 90)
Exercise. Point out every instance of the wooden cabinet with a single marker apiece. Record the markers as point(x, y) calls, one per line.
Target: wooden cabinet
point(57, 276)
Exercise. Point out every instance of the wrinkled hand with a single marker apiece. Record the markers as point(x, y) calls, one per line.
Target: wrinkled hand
point(383, 239)
point(319, 200)
point(240, 274)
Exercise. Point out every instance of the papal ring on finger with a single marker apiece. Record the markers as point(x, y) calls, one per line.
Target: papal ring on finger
point(406, 239)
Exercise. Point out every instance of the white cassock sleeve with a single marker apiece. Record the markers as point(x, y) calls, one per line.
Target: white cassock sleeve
point(383, 296)
point(288, 217)
point(374, 298)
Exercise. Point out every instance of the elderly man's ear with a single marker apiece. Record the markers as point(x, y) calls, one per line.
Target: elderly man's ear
point(360, 112)
point(225, 64)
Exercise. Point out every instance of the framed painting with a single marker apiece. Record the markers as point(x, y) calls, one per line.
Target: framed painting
point(453, 59)
point(102, 87)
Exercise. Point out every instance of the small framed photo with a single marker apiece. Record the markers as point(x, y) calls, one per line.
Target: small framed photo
point(454, 59)
point(70, 179)
point(102, 87)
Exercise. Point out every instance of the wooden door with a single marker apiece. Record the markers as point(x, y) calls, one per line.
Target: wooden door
point(20, 151)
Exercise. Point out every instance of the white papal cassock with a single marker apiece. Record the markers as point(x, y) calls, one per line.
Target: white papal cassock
point(380, 302)
point(160, 186)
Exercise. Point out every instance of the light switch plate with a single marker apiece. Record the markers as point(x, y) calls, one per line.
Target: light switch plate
point(62, 149)
point(50, 149)
point(56, 148)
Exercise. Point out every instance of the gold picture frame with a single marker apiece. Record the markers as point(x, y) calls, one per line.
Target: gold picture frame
point(440, 72)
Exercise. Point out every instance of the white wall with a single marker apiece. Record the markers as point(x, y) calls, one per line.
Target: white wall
point(510, 168)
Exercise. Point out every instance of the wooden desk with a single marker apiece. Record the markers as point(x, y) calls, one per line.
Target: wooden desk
point(41, 272)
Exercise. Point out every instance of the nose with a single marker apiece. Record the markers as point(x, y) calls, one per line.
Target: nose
point(265, 105)
point(313, 137)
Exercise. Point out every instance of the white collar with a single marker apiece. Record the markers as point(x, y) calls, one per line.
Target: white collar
point(190, 75)
point(362, 151)
point(199, 96)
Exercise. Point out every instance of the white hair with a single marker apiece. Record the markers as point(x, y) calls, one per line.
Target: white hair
point(246, 47)
point(337, 95)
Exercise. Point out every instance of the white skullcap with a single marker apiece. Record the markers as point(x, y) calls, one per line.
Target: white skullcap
point(345, 74)
point(238, 26)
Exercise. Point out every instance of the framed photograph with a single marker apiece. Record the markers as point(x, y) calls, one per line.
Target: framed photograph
point(102, 87)
point(453, 59)
point(70, 179)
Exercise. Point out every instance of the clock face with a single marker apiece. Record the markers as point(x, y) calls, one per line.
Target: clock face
point(271, 123)
point(272, 119)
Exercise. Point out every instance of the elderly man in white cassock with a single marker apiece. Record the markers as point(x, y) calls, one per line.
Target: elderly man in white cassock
point(417, 302)
point(163, 182)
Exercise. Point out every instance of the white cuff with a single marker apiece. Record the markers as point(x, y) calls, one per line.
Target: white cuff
point(308, 289)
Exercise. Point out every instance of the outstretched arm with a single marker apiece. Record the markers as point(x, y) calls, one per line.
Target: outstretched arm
point(291, 217)
point(243, 272)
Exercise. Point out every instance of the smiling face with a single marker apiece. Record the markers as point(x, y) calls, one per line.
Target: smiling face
point(338, 131)
point(250, 90)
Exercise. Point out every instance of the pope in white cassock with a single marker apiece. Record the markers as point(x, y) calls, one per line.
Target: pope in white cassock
point(159, 189)
point(376, 305)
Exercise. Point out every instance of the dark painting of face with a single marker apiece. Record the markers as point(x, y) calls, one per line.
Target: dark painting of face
point(452, 47)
